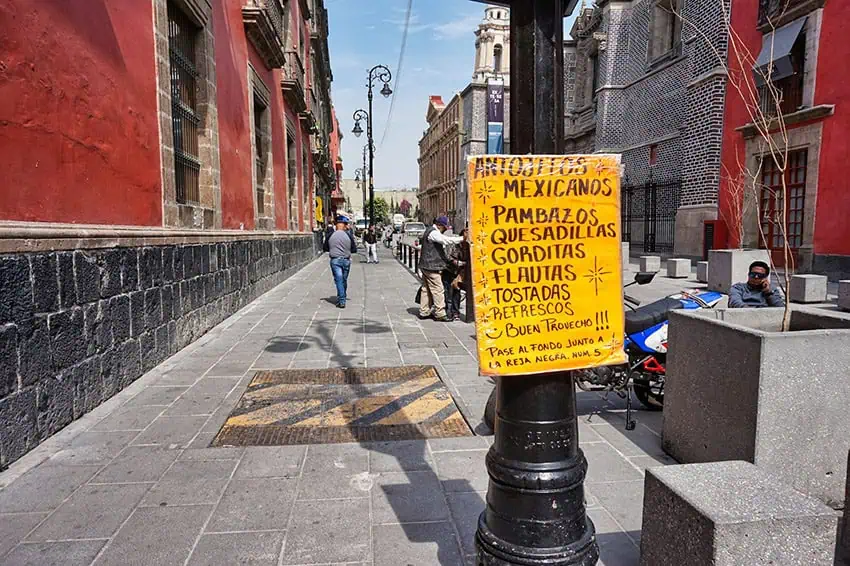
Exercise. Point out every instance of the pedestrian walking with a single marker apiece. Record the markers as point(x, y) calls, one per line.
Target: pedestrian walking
point(452, 280)
point(432, 261)
point(371, 240)
point(340, 245)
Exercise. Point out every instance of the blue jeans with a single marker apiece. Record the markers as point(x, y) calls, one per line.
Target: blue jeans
point(340, 266)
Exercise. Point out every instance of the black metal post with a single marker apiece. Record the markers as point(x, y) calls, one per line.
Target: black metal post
point(371, 161)
point(535, 513)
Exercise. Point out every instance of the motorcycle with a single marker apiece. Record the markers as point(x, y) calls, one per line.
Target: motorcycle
point(646, 346)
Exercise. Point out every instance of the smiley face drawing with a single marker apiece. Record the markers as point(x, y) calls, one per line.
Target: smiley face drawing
point(489, 333)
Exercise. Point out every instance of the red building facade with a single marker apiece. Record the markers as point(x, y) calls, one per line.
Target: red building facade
point(159, 163)
point(204, 120)
point(803, 43)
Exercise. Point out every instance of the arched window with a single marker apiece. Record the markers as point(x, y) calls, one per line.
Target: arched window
point(497, 58)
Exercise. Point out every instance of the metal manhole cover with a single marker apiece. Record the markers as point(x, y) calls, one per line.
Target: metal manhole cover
point(342, 405)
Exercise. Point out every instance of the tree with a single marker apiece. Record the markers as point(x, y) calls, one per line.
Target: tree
point(381, 210)
point(743, 185)
point(404, 207)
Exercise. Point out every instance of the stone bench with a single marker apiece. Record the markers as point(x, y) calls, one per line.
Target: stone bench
point(650, 263)
point(731, 514)
point(844, 295)
point(678, 268)
point(702, 271)
point(807, 288)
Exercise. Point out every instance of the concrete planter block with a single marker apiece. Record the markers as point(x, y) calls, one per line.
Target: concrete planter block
point(807, 289)
point(624, 247)
point(844, 295)
point(650, 263)
point(702, 271)
point(678, 268)
point(727, 267)
point(762, 395)
point(731, 514)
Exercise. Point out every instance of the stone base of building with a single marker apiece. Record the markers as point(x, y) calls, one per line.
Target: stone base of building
point(688, 239)
point(835, 267)
point(85, 312)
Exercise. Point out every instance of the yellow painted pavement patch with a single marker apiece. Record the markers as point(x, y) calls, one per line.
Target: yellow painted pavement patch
point(342, 405)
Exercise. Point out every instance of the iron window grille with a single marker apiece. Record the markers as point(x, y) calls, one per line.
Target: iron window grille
point(182, 45)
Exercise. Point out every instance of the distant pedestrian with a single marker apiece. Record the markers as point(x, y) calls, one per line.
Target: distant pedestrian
point(432, 261)
point(340, 245)
point(371, 240)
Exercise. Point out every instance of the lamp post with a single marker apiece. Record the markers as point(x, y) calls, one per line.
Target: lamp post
point(376, 73)
point(535, 514)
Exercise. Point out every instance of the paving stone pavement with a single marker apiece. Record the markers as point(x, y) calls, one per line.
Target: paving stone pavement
point(135, 482)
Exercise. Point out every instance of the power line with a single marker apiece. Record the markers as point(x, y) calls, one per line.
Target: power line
point(398, 71)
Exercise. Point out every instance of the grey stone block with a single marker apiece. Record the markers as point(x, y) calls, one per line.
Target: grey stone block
point(342, 535)
point(87, 276)
point(271, 462)
point(156, 535)
point(45, 282)
point(678, 268)
point(762, 400)
point(44, 488)
point(94, 511)
point(807, 288)
point(137, 464)
point(60, 553)
point(67, 337)
point(14, 527)
point(255, 504)
point(624, 251)
point(650, 263)
point(844, 295)
point(727, 267)
point(417, 543)
point(8, 359)
point(702, 271)
point(256, 549)
point(729, 514)
point(18, 425)
point(407, 497)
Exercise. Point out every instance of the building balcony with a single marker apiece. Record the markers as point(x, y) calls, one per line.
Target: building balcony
point(292, 82)
point(264, 25)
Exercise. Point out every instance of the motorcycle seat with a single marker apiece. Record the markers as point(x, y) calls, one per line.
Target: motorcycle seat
point(649, 315)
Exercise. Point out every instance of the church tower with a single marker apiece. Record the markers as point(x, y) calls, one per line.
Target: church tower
point(492, 50)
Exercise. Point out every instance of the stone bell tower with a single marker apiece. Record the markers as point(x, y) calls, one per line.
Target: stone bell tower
point(492, 50)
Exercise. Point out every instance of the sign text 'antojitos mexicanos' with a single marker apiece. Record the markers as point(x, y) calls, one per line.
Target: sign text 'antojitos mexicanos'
point(547, 273)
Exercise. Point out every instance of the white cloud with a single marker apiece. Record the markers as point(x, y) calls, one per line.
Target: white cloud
point(460, 27)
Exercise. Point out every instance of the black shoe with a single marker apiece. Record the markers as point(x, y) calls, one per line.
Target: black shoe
point(340, 305)
point(441, 319)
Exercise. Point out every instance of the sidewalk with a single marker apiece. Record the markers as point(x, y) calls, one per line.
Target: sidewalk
point(135, 482)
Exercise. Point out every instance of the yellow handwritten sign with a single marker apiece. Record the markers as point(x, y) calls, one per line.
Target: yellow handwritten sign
point(547, 273)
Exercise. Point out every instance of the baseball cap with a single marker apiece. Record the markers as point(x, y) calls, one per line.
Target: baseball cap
point(342, 219)
point(442, 220)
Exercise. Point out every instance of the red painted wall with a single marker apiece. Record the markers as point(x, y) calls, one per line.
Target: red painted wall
point(234, 135)
point(79, 135)
point(832, 230)
point(743, 18)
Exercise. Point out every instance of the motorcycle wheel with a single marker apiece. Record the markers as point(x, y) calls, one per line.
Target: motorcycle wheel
point(490, 411)
point(648, 398)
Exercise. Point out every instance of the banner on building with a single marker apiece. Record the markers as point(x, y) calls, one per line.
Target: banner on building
point(495, 118)
point(547, 272)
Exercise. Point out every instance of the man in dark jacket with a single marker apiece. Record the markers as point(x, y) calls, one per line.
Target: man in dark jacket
point(432, 261)
point(340, 245)
point(458, 257)
point(756, 292)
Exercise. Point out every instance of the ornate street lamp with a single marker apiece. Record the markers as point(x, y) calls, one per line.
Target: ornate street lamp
point(378, 73)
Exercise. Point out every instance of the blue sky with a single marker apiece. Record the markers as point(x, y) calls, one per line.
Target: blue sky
point(438, 60)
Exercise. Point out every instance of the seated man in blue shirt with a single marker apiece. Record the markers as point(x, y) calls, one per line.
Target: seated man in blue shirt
point(756, 292)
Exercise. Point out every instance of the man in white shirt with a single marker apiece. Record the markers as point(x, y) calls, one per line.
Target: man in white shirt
point(432, 261)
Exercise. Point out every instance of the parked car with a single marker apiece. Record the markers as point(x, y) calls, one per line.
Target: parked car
point(360, 227)
point(411, 232)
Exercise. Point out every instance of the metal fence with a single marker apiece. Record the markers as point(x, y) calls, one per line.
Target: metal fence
point(649, 215)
